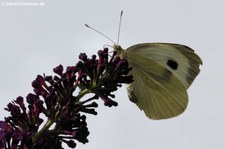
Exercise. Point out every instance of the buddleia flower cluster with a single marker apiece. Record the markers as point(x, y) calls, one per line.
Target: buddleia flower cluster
point(55, 112)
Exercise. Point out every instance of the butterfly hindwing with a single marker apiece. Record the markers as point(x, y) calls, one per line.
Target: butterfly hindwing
point(155, 90)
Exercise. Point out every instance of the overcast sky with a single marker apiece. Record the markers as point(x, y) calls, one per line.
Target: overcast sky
point(35, 39)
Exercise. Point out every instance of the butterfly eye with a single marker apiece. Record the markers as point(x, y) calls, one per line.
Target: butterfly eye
point(172, 64)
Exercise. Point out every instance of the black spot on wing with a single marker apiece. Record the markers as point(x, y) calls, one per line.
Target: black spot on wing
point(172, 64)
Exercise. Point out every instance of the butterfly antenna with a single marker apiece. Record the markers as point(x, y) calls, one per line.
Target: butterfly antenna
point(99, 33)
point(118, 36)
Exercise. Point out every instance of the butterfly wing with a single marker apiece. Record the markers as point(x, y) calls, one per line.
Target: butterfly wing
point(162, 73)
point(179, 59)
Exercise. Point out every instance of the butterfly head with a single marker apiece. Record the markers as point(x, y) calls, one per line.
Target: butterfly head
point(120, 51)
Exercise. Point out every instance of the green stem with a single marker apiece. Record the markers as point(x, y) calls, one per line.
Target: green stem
point(82, 93)
point(45, 127)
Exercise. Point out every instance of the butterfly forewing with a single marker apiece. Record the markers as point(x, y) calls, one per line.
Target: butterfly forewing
point(167, 55)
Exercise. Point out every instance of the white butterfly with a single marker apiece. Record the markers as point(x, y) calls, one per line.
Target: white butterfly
point(162, 74)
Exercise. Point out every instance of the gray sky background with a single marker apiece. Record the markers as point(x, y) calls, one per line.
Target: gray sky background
point(34, 39)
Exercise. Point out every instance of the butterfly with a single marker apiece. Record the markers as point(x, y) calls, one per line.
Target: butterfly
point(162, 73)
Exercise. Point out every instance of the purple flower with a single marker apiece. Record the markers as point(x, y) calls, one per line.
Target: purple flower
point(55, 112)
